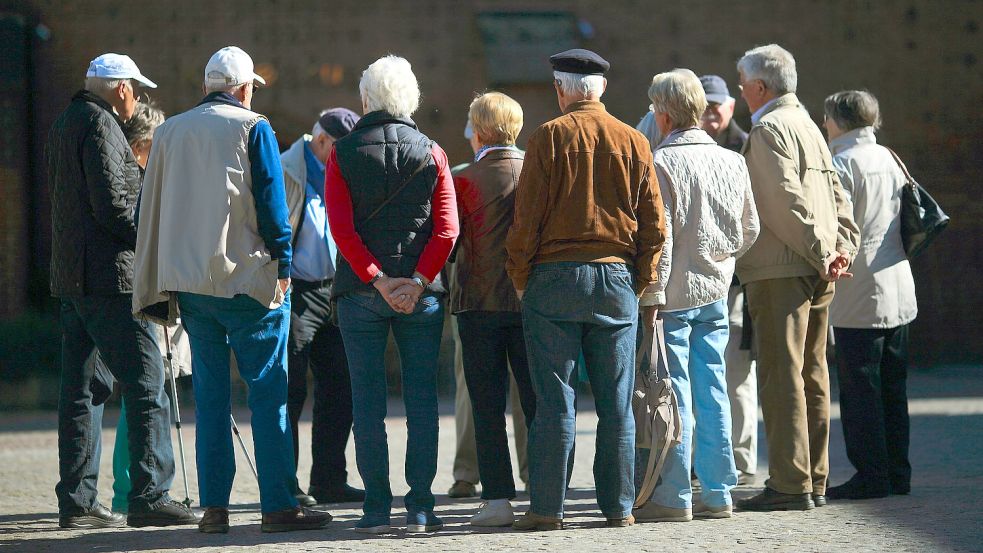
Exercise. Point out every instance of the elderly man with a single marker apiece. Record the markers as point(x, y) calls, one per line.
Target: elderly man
point(588, 231)
point(742, 384)
point(95, 181)
point(214, 233)
point(807, 239)
point(315, 343)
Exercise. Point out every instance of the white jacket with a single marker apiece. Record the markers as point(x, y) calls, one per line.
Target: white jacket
point(710, 219)
point(881, 293)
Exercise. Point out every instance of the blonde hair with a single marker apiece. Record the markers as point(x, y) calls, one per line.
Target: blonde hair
point(495, 118)
point(679, 94)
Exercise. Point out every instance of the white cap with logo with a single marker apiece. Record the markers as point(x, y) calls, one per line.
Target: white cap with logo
point(117, 66)
point(230, 66)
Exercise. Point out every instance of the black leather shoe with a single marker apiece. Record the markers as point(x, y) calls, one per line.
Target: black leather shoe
point(214, 521)
point(819, 499)
point(167, 513)
point(855, 488)
point(96, 517)
point(900, 488)
point(299, 518)
point(341, 494)
point(304, 499)
point(770, 500)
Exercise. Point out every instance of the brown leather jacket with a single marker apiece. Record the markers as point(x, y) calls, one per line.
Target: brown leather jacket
point(587, 193)
point(485, 203)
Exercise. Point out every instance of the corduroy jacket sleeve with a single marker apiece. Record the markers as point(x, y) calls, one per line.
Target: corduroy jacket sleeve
point(651, 217)
point(531, 209)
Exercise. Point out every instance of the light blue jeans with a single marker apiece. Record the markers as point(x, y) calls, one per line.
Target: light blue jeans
point(695, 343)
point(258, 336)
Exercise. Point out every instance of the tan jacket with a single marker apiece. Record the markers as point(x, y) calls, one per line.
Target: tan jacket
point(588, 193)
point(295, 180)
point(805, 214)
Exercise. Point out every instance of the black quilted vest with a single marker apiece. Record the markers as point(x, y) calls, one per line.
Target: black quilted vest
point(375, 158)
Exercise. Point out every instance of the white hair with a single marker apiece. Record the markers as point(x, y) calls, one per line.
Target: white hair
point(223, 87)
point(575, 84)
point(100, 85)
point(390, 85)
point(317, 129)
point(772, 65)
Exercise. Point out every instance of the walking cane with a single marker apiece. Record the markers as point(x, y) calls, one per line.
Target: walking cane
point(176, 411)
point(242, 444)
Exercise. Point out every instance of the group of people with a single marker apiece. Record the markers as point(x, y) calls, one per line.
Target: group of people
point(307, 261)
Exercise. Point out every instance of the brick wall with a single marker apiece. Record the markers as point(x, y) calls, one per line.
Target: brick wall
point(920, 57)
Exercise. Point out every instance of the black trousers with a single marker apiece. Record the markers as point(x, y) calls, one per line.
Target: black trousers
point(491, 341)
point(872, 369)
point(316, 345)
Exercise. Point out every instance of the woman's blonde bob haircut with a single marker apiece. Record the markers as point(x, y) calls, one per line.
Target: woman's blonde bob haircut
point(495, 118)
point(679, 94)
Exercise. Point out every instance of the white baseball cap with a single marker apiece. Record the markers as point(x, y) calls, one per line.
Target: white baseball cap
point(117, 66)
point(231, 66)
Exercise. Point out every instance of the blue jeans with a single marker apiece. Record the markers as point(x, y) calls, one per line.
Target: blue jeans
point(129, 349)
point(695, 343)
point(569, 308)
point(365, 320)
point(258, 337)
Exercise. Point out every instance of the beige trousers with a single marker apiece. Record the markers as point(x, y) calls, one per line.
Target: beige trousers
point(742, 388)
point(790, 318)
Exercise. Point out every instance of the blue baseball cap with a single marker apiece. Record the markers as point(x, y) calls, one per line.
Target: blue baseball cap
point(715, 88)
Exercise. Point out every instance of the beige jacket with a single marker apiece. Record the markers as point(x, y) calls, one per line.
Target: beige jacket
point(805, 214)
point(295, 179)
point(198, 231)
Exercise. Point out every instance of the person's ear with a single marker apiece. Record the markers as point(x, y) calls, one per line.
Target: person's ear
point(605, 86)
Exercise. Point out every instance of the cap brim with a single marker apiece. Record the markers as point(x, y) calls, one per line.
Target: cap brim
point(719, 98)
point(259, 79)
point(145, 81)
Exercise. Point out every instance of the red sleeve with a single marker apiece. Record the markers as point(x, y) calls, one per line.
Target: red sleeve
point(445, 223)
point(341, 221)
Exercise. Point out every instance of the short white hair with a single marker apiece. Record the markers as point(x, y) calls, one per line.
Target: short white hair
point(575, 84)
point(390, 85)
point(772, 65)
point(100, 85)
point(317, 129)
point(223, 88)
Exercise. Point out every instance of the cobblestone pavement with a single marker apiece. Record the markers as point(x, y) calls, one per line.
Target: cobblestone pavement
point(943, 513)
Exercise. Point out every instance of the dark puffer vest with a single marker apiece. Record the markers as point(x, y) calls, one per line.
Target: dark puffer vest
point(375, 159)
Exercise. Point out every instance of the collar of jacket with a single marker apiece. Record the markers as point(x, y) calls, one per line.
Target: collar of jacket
point(861, 135)
point(222, 98)
point(87, 96)
point(510, 153)
point(585, 105)
point(785, 100)
point(293, 161)
point(381, 117)
point(687, 137)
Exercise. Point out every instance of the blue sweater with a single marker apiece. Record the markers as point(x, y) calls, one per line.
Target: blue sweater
point(268, 189)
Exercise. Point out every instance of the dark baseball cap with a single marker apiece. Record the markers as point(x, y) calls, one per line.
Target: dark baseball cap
point(338, 122)
point(716, 89)
point(579, 61)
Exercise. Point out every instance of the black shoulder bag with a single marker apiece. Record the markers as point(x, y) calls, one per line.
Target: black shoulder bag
point(921, 217)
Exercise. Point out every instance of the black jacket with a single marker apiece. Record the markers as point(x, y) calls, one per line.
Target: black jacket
point(374, 159)
point(95, 181)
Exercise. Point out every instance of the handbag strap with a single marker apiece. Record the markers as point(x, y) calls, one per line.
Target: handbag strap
point(904, 168)
point(653, 347)
point(399, 189)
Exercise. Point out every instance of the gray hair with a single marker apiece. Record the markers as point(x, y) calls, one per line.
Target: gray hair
point(679, 94)
point(141, 126)
point(389, 85)
point(317, 129)
point(852, 109)
point(100, 86)
point(575, 84)
point(223, 87)
point(772, 65)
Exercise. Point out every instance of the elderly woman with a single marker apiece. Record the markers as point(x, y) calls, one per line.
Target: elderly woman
point(392, 213)
point(710, 222)
point(870, 312)
point(487, 309)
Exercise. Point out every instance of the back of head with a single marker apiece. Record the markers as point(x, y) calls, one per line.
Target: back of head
point(679, 94)
point(588, 87)
point(496, 118)
point(853, 109)
point(772, 65)
point(145, 120)
point(389, 85)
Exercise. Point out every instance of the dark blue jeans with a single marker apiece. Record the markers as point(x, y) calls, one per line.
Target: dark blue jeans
point(571, 307)
point(492, 341)
point(365, 320)
point(216, 328)
point(129, 349)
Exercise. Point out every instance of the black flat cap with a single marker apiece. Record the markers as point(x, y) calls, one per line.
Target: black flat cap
point(580, 61)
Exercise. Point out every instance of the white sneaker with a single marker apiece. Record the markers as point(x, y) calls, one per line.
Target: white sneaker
point(494, 512)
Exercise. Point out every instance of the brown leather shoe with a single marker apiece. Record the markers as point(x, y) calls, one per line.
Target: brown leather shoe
point(532, 521)
point(214, 521)
point(620, 522)
point(462, 488)
point(298, 518)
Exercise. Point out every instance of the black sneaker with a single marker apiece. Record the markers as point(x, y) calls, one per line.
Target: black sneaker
point(96, 517)
point(340, 494)
point(166, 513)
